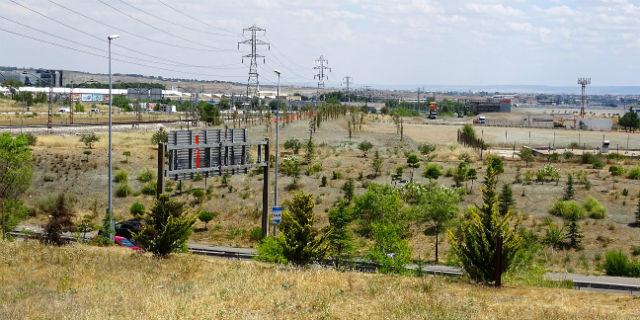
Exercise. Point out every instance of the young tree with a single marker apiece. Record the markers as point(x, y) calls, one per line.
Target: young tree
point(301, 242)
point(310, 151)
point(365, 146)
point(206, 216)
point(486, 242)
point(89, 139)
point(574, 235)
point(390, 250)
point(61, 218)
point(569, 192)
point(439, 208)
point(638, 212)
point(377, 163)
point(413, 162)
point(167, 228)
point(340, 243)
point(426, 148)
point(379, 203)
point(291, 167)
point(15, 177)
point(160, 136)
point(210, 114)
point(349, 189)
point(526, 155)
point(126, 155)
point(506, 199)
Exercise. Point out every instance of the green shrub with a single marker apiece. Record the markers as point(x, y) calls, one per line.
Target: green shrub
point(618, 264)
point(548, 173)
point(616, 170)
point(146, 175)
point(634, 173)
point(149, 189)
point(167, 228)
point(123, 190)
point(314, 168)
point(121, 176)
point(432, 171)
point(568, 209)
point(137, 209)
point(270, 250)
point(594, 208)
point(426, 148)
point(206, 216)
point(255, 234)
point(554, 237)
point(293, 144)
point(198, 194)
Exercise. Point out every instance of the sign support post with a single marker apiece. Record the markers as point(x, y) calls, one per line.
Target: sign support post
point(160, 182)
point(265, 193)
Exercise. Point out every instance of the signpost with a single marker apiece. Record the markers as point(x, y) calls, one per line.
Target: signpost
point(214, 152)
point(276, 215)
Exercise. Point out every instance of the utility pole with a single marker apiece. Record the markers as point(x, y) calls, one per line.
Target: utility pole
point(253, 82)
point(583, 82)
point(418, 99)
point(112, 226)
point(321, 66)
point(347, 82)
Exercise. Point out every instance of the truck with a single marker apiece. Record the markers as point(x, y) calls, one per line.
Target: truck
point(433, 110)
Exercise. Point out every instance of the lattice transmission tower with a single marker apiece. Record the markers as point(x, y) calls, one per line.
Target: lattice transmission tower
point(321, 76)
point(253, 82)
point(347, 81)
point(583, 82)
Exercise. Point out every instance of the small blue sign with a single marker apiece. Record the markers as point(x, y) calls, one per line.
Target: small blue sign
point(276, 215)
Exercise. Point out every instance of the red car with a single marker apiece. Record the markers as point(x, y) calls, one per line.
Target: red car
point(124, 242)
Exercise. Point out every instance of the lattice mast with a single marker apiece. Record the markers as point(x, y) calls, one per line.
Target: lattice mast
point(253, 82)
point(583, 82)
point(321, 76)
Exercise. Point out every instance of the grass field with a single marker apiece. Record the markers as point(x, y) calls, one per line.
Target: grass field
point(80, 282)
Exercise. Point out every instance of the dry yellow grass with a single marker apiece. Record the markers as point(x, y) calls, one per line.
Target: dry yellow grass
point(80, 282)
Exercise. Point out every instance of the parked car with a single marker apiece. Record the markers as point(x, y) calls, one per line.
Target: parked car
point(127, 228)
point(124, 242)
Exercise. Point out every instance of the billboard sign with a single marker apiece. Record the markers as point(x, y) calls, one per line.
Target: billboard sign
point(212, 152)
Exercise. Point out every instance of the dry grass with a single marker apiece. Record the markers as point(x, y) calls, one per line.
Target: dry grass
point(80, 282)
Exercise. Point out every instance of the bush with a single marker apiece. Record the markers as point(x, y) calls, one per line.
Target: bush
point(137, 209)
point(365, 146)
point(314, 168)
point(426, 148)
point(146, 175)
point(89, 139)
point(121, 176)
point(30, 137)
point(167, 228)
point(548, 173)
point(61, 218)
point(198, 194)
point(594, 208)
point(618, 264)
point(432, 171)
point(270, 250)
point(568, 209)
point(634, 173)
point(554, 237)
point(616, 170)
point(149, 189)
point(293, 144)
point(123, 190)
point(160, 136)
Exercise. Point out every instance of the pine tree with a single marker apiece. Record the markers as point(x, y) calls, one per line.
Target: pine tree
point(476, 241)
point(349, 189)
point(340, 244)
point(569, 192)
point(377, 163)
point(506, 199)
point(574, 235)
point(301, 242)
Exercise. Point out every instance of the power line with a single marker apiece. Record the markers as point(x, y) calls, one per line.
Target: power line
point(125, 31)
point(160, 30)
point(172, 22)
point(195, 19)
point(101, 49)
point(115, 59)
point(94, 36)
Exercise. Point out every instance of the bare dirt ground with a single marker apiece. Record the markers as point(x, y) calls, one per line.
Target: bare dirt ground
point(59, 168)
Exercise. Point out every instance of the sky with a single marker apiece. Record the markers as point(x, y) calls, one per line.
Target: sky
point(377, 42)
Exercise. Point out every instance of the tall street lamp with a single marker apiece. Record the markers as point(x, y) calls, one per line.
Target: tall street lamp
point(112, 226)
point(275, 191)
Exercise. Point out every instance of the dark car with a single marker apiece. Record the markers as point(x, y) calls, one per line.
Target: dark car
point(127, 228)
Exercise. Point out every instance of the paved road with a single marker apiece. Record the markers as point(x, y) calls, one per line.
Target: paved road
point(599, 283)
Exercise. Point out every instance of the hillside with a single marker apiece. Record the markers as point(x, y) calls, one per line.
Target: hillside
point(80, 282)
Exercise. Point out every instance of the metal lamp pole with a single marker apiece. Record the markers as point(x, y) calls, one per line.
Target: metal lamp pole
point(275, 189)
point(112, 225)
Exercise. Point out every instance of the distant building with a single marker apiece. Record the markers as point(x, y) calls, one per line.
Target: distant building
point(489, 105)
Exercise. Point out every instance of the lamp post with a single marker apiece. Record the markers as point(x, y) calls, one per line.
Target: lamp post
point(275, 189)
point(112, 225)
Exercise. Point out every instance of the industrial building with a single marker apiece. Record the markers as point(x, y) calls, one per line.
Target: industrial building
point(489, 105)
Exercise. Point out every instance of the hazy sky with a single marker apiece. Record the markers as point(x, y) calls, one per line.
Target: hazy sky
point(418, 42)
